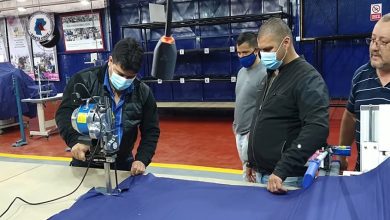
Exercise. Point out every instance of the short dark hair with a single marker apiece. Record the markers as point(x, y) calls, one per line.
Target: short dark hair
point(275, 27)
point(247, 37)
point(386, 17)
point(128, 54)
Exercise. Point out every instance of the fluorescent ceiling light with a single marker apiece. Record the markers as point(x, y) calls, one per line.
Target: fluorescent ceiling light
point(22, 9)
point(85, 2)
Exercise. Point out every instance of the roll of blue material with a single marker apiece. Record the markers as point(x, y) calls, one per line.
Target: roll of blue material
point(310, 174)
point(341, 150)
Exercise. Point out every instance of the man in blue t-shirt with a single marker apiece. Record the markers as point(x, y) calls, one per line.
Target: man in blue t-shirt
point(370, 85)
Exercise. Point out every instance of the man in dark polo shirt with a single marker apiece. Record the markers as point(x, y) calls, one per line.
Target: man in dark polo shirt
point(370, 85)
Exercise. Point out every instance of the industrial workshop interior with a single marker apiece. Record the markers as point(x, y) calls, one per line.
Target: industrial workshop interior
point(194, 109)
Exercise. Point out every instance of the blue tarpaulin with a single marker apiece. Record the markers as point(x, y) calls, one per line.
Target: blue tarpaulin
point(148, 197)
point(8, 107)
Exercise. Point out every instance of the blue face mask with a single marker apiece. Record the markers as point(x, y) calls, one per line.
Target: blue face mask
point(248, 60)
point(120, 83)
point(269, 59)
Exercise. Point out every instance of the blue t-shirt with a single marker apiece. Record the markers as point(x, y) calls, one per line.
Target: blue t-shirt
point(117, 108)
point(366, 89)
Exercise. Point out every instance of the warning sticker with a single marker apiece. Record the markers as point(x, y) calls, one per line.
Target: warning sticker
point(82, 118)
point(376, 12)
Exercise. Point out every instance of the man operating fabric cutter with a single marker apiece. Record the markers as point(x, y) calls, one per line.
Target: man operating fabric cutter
point(132, 103)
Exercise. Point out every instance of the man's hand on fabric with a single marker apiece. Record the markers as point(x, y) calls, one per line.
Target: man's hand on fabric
point(78, 151)
point(275, 185)
point(250, 175)
point(137, 168)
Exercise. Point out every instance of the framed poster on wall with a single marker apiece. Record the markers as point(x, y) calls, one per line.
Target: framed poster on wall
point(82, 32)
point(41, 28)
point(4, 57)
point(20, 44)
point(45, 62)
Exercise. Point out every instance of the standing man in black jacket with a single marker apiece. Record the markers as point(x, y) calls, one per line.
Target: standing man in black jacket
point(132, 102)
point(291, 119)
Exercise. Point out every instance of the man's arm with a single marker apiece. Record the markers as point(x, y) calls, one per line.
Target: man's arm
point(260, 93)
point(64, 113)
point(150, 131)
point(347, 134)
point(347, 128)
point(312, 103)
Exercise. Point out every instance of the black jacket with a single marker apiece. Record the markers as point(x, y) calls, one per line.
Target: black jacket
point(138, 112)
point(291, 121)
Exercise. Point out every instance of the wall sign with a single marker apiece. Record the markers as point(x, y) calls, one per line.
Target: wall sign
point(45, 62)
point(40, 26)
point(20, 49)
point(82, 32)
point(376, 12)
point(4, 56)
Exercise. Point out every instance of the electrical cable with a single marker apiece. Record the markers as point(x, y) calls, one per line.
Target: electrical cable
point(55, 199)
point(82, 179)
point(85, 88)
point(86, 171)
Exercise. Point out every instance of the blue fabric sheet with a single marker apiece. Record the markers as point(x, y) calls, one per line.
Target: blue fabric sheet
point(8, 108)
point(149, 197)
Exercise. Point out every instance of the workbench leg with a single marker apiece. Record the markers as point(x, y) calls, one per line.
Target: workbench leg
point(41, 117)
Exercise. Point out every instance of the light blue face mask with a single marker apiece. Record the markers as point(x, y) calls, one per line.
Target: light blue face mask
point(269, 59)
point(120, 83)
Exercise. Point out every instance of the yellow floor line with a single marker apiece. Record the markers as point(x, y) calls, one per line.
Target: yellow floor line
point(34, 157)
point(158, 165)
point(196, 168)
